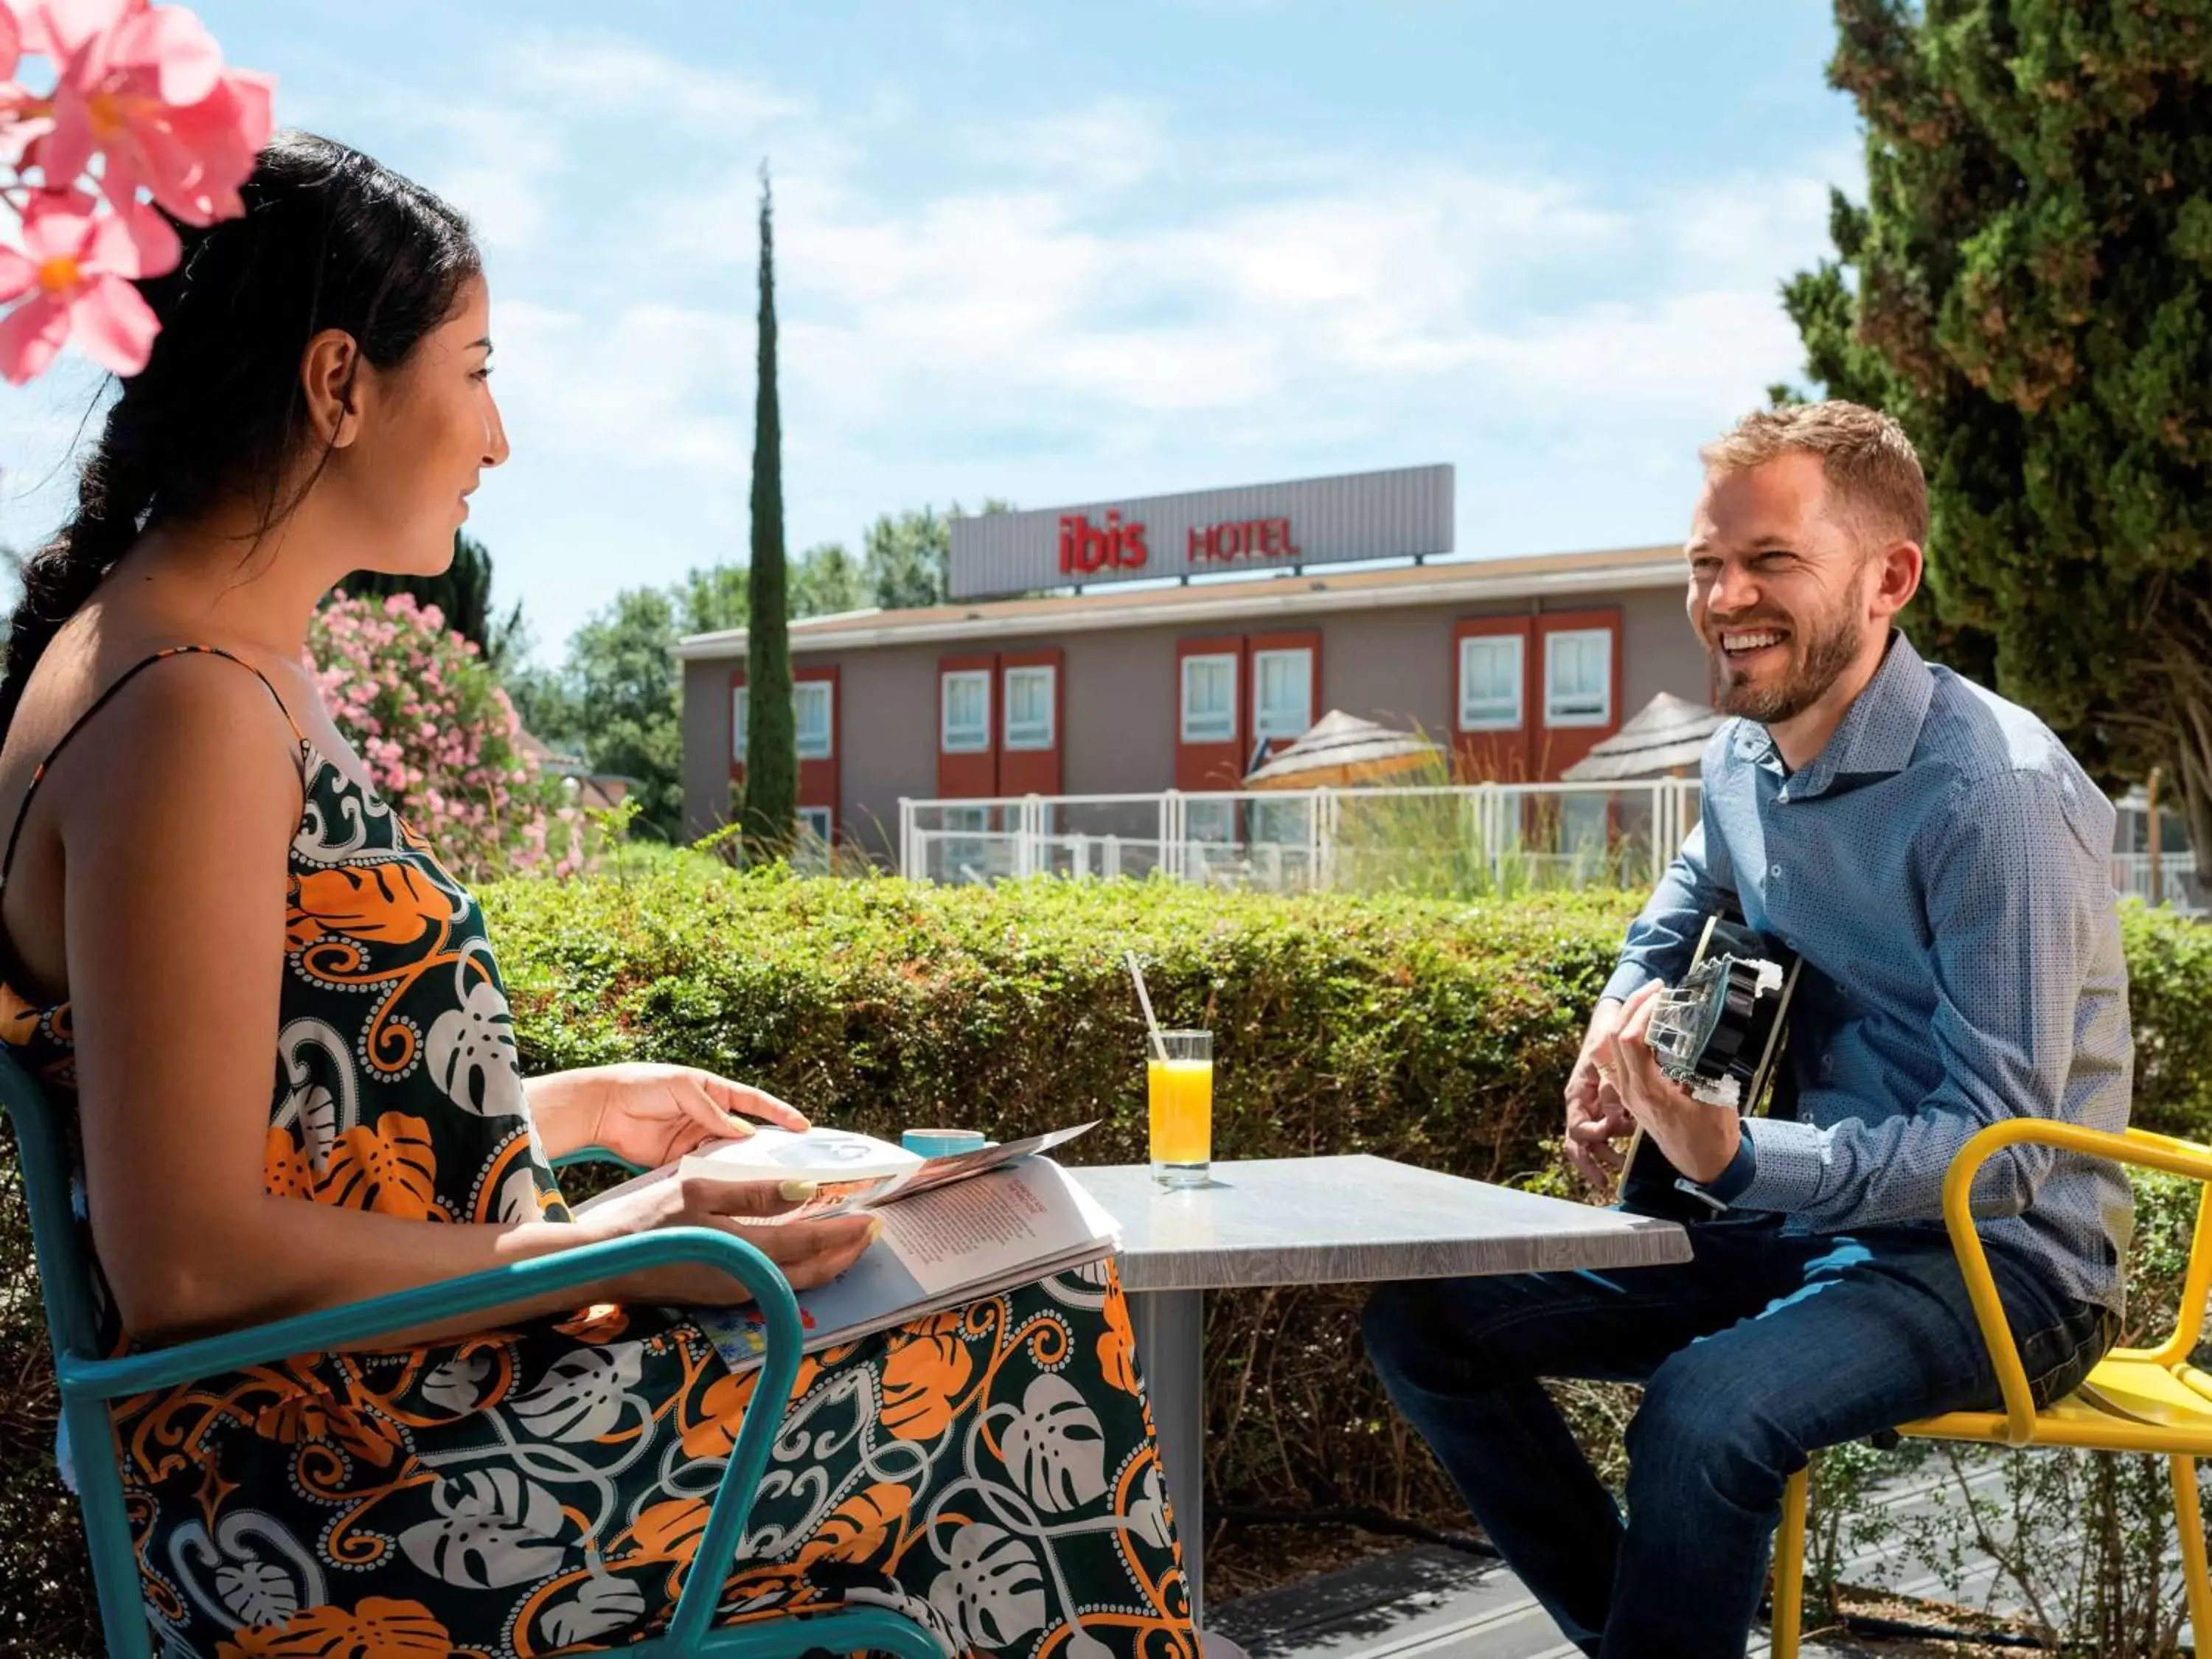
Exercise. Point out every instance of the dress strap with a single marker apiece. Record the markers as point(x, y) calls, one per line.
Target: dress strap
point(22, 812)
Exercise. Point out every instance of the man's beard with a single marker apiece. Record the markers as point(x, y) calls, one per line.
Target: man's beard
point(1826, 653)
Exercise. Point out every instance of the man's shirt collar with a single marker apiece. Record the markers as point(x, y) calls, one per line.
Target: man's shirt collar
point(1877, 734)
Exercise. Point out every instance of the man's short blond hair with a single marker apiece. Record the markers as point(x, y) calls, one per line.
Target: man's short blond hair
point(1874, 476)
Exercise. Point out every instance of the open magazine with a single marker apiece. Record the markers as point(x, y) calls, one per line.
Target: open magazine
point(955, 1228)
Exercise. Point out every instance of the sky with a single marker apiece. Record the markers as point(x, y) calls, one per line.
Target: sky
point(1053, 253)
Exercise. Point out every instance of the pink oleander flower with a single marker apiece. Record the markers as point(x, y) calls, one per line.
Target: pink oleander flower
point(144, 86)
point(75, 267)
point(11, 46)
point(441, 738)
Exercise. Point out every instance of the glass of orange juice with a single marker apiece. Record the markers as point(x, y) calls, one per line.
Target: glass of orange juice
point(1180, 1087)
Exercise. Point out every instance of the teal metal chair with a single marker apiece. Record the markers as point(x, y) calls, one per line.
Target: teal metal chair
point(89, 1382)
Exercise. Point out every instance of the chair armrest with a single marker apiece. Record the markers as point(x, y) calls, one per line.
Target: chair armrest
point(356, 1323)
point(86, 1379)
point(596, 1154)
point(2135, 1146)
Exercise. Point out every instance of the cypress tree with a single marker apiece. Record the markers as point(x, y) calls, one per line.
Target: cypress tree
point(2026, 288)
point(771, 741)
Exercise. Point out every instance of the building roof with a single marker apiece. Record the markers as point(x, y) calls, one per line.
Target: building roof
point(1667, 734)
point(1457, 580)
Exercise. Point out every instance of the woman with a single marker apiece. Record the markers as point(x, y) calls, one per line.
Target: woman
point(201, 888)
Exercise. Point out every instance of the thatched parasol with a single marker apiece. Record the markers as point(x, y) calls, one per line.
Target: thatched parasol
point(1666, 738)
point(1342, 751)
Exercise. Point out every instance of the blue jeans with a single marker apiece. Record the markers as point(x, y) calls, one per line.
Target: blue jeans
point(1761, 1349)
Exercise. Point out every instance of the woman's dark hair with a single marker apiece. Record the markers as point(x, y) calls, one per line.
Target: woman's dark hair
point(330, 239)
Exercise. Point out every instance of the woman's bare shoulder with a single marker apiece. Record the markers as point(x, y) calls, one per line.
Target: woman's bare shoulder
point(138, 720)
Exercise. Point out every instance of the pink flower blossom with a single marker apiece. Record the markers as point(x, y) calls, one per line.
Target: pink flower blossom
point(145, 86)
point(75, 267)
point(11, 44)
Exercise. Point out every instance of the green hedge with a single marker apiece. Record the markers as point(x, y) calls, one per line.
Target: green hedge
point(1434, 1032)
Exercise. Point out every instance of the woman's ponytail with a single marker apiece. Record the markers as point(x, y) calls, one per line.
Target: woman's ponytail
point(114, 490)
point(329, 240)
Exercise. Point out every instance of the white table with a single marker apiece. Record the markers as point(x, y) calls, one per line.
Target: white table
point(1321, 1221)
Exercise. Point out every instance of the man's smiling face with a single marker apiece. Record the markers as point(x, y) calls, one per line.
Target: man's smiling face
point(1778, 587)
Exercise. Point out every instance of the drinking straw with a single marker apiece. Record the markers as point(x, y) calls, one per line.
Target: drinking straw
point(1143, 1001)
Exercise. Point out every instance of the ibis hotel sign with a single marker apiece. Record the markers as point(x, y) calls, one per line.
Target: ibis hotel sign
point(1401, 513)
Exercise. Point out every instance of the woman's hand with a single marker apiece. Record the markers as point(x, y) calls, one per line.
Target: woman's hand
point(648, 1114)
point(807, 1253)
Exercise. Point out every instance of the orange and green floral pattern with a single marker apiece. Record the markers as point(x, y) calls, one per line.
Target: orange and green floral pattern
point(989, 1471)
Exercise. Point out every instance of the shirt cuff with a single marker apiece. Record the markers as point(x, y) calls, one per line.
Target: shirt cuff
point(1627, 980)
point(1790, 1163)
point(1729, 1184)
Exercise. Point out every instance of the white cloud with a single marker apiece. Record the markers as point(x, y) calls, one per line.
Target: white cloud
point(1109, 145)
point(605, 75)
point(649, 384)
point(1110, 295)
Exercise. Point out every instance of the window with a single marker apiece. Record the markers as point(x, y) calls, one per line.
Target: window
point(1490, 683)
point(815, 821)
point(1578, 677)
point(1030, 708)
point(809, 714)
point(1209, 699)
point(1282, 690)
point(965, 712)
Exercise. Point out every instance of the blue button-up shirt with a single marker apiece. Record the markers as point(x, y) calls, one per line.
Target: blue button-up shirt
point(1942, 868)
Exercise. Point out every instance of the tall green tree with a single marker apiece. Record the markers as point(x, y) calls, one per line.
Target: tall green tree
point(771, 737)
point(462, 591)
point(2028, 288)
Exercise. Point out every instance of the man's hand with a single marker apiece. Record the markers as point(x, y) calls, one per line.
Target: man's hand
point(1699, 1140)
point(1595, 1116)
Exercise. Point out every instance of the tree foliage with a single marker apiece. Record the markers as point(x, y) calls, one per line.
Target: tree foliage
point(905, 556)
point(826, 580)
point(2028, 288)
point(771, 737)
point(616, 698)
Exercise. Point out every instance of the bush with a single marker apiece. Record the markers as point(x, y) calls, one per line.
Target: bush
point(440, 740)
point(1438, 1033)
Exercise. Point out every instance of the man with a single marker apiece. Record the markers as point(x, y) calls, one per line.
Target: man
point(1941, 865)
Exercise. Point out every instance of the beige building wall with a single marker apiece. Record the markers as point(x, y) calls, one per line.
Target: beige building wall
point(1395, 665)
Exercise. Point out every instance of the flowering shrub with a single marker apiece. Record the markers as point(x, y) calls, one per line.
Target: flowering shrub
point(442, 743)
point(143, 90)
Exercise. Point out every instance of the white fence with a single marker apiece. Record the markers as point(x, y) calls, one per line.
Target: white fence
point(1493, 836)
point(1473, 837)
point(2177, 879)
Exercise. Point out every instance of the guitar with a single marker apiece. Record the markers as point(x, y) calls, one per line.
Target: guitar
point(1720, 1034)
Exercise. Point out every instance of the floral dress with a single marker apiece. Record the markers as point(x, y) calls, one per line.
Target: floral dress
point(542, 1488)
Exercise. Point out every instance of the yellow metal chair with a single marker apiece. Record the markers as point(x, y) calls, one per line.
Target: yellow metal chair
point(2138, 1399)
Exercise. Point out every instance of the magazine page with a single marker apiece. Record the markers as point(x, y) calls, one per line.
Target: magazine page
point(937, 1172)
point(848, 1166)
point(852, 1173)
point(964, 1240)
